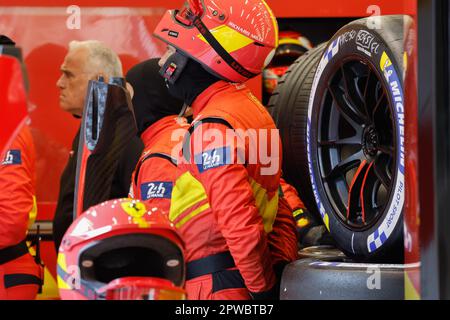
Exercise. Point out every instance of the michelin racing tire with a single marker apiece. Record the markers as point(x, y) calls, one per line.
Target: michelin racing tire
point(355, 139)
point(338, 279)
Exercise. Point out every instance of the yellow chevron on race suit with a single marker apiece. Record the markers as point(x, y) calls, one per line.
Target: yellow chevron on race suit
point(189, 199)
point(187, 193)
point(267, 207)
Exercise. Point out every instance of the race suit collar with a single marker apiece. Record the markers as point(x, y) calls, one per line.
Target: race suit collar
point(203, 98)
point(153, 133)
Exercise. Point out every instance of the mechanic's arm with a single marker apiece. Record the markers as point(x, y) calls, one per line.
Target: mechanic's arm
point(155, 183)
point(16, 189)
point(231, 197)
point(291, 196)
point(283, 238)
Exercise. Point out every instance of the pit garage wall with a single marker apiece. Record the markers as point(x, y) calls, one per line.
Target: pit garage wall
point(434, 147)
point(412, 203)
point(40, 28)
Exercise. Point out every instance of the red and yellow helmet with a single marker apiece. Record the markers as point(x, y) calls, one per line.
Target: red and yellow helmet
point(121, 249)
point(233, 39)
point(291, 46)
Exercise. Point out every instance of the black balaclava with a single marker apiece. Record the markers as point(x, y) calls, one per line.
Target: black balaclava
point(193, 80)
point(151, 100)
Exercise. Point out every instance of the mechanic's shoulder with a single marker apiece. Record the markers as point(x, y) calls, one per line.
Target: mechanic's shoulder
point(135, 147)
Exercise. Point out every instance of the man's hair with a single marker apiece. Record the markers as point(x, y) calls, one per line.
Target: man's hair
point(100, 57)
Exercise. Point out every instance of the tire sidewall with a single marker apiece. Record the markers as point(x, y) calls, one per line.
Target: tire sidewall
point(348, 42)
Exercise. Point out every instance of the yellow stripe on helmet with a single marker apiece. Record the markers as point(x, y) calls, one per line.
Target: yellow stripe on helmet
point(229, 39)
point(289, 41)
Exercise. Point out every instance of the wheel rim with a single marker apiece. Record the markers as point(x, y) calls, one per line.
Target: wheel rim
point(357, 144)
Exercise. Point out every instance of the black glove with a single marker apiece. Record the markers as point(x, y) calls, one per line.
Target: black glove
point(316, 236)
point(313, 232)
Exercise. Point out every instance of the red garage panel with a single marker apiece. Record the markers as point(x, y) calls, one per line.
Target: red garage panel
point(293, 8)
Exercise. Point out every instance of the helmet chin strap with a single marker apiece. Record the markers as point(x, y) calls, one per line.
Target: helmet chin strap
point(224, 54)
